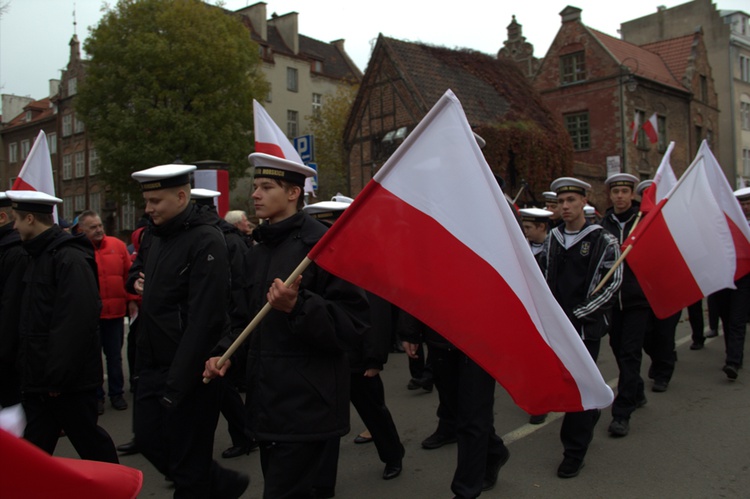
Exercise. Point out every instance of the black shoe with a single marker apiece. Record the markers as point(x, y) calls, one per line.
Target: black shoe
point(619, 427)
point(118, 403)
point(359, 439)
point(427, 386)
point(697, 345)
point(660, 386)
point(392, 470)
point(569, 467)
point(238, 450)
point(322, 492)
point(437, 440)
point(414, 384)
point(128, 448)
point(641, 401)
point(711, 333)
point(730, 371)
point(232, 488)
point(537, 418)
point(493, 469)
point(99, 406)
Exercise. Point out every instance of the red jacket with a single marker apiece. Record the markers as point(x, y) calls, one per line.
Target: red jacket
point(113, 262)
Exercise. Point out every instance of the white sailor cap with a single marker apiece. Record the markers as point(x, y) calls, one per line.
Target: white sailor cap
point(268, 166)
point(33, 201)
point(570, 184)
point(534, 215)
point(202, 196)
point(589, 211)
point(550, 196)
point(621, 180)
point(643, 186)
point(742, 194)
point(5, 201)
point(163, 176)
point(327, 209)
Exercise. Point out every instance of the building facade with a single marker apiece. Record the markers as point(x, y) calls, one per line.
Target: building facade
point(727, 42)
point(601, 86)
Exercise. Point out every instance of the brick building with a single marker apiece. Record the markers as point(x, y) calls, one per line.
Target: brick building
point(525, 141)
point(598, 84)
point(727, 43)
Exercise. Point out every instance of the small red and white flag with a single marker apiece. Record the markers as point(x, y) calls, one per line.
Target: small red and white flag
point(36, 172)
point(696, 241)
point(442, 243)
point(634, 127)
point(664, 181)
point(651, 127)
point(271, 140)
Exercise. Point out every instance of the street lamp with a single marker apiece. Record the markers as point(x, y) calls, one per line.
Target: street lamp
point(627, 80)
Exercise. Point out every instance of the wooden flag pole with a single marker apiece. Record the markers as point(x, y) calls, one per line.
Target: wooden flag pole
point(612, 270)
point(258, 317)
point(519, 193)
point(635, 224)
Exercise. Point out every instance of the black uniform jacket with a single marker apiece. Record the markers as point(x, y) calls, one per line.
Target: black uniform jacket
point(185, 295)
point(59, 347)
point(13, 261)
point(630, 294)
point(298, 374)
point(239, 303)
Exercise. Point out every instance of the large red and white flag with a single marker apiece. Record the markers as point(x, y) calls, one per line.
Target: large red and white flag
point(651, 127)
point(695, 242)
point(36, 172)
point(30, 472)
point(433, 234)
point(271, 140)
point(664, 181)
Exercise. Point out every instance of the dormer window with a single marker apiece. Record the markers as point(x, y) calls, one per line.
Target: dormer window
point(317, 66)
point(29, 115)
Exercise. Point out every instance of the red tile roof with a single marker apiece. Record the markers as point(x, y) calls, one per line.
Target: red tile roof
point(644, 63)
point(676, 53)
point(41, 109)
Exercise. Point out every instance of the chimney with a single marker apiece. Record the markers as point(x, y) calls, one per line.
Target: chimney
point(257, 15)
point(570, 13)
point(287, 26)
point(54, 87)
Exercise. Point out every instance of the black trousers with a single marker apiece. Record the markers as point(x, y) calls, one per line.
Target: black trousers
point(75, 413)
point(577, 428)
point(732, 306)
point(179, 440)
point(233, 409)
point(368, 398)
point(626, 339)
point(290, 468)
point(695, 315)
point(468, 393)
point(659, 345)
point(421, 367)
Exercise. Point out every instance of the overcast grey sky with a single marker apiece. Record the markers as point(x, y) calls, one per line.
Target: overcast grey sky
point(34, 34)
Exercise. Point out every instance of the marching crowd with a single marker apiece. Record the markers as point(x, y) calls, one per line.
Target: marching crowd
point(195, 281)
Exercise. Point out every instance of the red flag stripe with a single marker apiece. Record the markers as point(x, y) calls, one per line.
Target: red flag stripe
point(272, 149)
point(508, 346)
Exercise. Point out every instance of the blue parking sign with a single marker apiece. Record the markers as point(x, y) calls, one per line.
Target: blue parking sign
point(305, 148)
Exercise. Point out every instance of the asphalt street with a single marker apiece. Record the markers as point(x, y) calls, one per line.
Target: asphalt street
point(691, 441)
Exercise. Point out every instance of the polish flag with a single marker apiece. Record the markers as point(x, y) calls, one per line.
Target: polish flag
point(30, 472)
point(651, 127)
point(215, 180)
point(696, 241)
point(442, 243)
point(271, 140)
point(36, 172)
point(664, 181)
point(634, 126)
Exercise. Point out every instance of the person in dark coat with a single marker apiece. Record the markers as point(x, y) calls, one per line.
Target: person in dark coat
point(184, 282)
point(59, 351)
point(298, 373)
point(13, 260)
point(232, 407)
point(631, 315)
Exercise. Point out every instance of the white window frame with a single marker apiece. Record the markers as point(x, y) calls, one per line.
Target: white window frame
point(25, 148)
point(80, 164)
point(67, 125)
point(13, 152)
point(67, 167)
point(52, 143)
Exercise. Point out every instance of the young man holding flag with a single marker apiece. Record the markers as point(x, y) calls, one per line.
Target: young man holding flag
point(298, 373)
point(575, 258)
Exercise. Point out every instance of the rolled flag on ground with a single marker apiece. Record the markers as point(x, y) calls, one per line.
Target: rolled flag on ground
point(442, 243)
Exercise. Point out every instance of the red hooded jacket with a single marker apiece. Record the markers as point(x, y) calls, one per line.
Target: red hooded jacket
point(113, 262)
